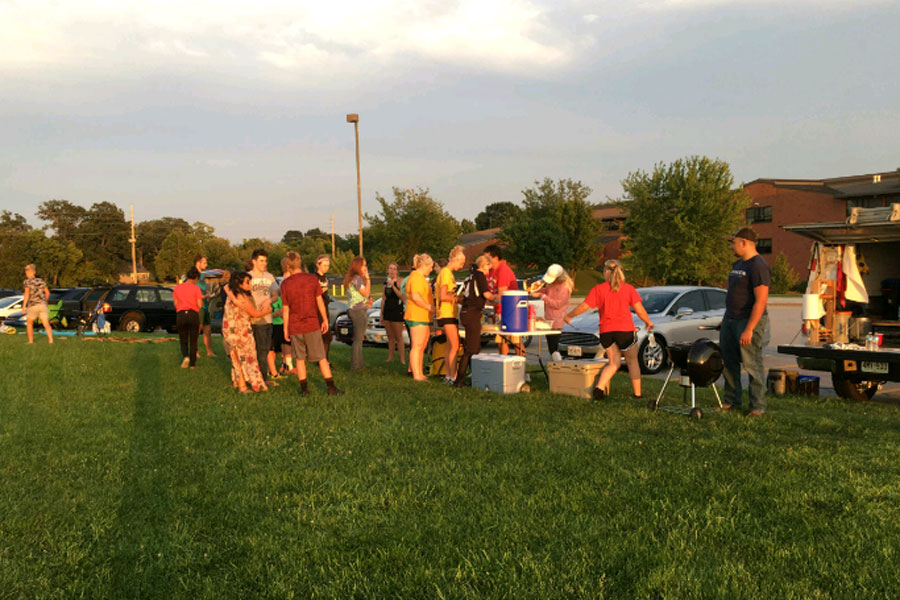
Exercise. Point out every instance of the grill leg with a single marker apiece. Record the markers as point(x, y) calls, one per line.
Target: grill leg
point(665, 383)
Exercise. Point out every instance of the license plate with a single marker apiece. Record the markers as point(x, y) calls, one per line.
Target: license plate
point(345, 331)
point(874, 367)
point(573, 351)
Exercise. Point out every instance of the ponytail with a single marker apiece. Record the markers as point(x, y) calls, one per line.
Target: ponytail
point(616, 274)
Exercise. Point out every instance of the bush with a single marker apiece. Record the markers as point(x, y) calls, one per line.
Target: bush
point(784, 278)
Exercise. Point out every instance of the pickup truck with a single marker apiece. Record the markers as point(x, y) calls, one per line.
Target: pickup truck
point(858, 373)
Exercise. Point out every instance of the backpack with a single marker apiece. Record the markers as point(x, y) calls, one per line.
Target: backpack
point(468, 288)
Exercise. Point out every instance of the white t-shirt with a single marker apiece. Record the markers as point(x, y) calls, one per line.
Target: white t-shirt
point(261, 290)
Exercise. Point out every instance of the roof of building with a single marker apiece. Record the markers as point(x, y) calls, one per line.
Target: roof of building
point(478, 237)
point(869, 189)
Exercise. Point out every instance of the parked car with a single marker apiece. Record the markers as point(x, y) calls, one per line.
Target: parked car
point(136, 307)
point(54, 304)
point(375, 331)
point(10, 305)
point(676, 312)
point(7, 292)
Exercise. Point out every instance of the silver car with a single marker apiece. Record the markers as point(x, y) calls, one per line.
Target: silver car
point(676, 311)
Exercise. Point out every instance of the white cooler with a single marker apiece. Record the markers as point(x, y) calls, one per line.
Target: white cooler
point(498, 373)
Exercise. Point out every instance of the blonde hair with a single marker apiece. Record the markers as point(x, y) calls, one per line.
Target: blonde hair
point(293, 261)
point(567, 281)
point(616, 274)
point(30, 267)
point(481, 260)
point(420, 260)
point(455, 253)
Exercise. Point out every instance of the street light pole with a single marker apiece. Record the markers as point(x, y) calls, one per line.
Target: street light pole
point(354, 118)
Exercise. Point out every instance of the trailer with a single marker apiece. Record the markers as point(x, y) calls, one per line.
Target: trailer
point(870, 241)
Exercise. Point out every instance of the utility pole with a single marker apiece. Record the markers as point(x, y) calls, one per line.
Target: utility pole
point(354, 118)
point(332, 238)
point(133, 255)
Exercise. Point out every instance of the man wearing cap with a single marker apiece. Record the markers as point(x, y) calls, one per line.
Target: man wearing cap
point(745, 326)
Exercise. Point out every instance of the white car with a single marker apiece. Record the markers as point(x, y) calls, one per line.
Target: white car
point(375, 331)
point(10, 305)
point(677, 313)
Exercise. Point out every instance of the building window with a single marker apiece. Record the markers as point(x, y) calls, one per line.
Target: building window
point(759, 214)
point(864, 203)
point(764, 245)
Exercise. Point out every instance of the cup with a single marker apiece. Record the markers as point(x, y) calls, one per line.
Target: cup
point(879, 337)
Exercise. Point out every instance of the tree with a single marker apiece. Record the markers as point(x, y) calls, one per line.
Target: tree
point(679, 219)
point(103, 238)
point(150, 235)
point(784, 278)
point(412, 223)
point(220, 254)
point(57, 262)
point(467, 226)
point(64, 218)
point(498, 214)
point(177, 254)
point(11, 222)
point(292, 237)
point(557, 225)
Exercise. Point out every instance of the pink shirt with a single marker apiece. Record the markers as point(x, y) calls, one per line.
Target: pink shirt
point(556, 303)
point(187, 296)
point(613, 306)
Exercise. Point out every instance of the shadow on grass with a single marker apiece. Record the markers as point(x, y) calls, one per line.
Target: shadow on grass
point(141, 547)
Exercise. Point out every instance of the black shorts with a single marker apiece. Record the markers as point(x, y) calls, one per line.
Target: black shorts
point(278, 337)
point(448, 321)
point(622, 339)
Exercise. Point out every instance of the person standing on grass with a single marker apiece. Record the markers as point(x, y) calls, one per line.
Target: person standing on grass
point(323, 265)
point(745, 326)
point(474, 295)
point(359, 288)
point(188, 304)
point(277, 336)
point(501, 278)
point(34, 301)
point(392, 313)
point(305, 321)
point(261, 288)
point(612, 300)
point(419, 310)
point(200, 263)
point(447, 319)
point(556, 291)
point(238, 333)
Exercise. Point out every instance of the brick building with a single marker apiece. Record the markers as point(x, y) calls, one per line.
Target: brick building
point(778, 202)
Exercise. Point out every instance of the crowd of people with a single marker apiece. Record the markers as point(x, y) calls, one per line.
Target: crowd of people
point(263, 319)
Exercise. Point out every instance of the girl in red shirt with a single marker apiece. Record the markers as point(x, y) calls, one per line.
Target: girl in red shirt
point(612, 300)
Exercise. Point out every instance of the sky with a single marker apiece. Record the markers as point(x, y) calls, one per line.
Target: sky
point(234, 113)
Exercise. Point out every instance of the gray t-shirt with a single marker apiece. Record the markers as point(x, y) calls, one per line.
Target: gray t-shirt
point(261, 290)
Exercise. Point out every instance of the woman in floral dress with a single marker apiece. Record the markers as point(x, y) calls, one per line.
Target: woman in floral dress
point(239, 309)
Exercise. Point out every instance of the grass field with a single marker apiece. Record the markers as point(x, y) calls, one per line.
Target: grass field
point(124, 476)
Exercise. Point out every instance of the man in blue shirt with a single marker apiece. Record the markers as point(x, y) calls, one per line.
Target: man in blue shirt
point(745, 327)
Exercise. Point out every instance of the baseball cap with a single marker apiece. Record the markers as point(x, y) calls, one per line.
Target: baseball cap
point(745, 233)
point(554, 271)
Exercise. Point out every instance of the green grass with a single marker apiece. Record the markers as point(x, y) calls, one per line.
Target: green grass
point(124, 476)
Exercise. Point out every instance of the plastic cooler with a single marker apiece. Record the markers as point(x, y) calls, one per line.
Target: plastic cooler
point(498, 373)
point(574, 377)
point(514, 311)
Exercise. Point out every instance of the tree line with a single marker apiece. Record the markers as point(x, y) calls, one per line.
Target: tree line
point(679, 215)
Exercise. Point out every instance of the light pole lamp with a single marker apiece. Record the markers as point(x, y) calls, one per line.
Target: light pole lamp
point(354, 118)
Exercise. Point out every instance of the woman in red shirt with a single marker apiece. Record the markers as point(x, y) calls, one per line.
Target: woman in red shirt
point(612, 300)
point(188, 302)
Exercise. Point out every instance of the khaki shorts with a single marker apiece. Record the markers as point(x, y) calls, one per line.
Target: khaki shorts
point(37, 312)
point(308, 346)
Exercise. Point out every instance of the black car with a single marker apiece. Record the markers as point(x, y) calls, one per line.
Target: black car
point(134, 307)
point(343, 328)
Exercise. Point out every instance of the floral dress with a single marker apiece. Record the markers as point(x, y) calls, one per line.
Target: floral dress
point(240, 346)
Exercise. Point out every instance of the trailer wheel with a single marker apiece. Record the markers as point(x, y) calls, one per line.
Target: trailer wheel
point(858, 391)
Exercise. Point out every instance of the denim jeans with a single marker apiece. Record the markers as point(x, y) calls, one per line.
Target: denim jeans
point(751, 356)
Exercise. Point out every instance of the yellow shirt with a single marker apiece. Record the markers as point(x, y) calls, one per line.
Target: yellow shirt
point(446, 310)
point(418, 284)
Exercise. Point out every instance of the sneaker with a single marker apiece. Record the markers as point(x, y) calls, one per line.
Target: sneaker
point(599, 394)
point(755, 414)
point(185, 363)
point(556, 356)
point(449, 381)
point(724, 408)
point(527, 377)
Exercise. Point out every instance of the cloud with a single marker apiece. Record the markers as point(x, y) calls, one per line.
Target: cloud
point(323, 40)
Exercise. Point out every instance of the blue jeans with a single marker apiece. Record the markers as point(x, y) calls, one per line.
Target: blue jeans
point(751, 356)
